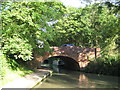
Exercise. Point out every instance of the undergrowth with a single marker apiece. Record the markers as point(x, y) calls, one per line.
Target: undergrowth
point(11, 69)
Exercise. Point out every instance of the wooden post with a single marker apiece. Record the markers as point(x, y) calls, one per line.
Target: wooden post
point(95, 53)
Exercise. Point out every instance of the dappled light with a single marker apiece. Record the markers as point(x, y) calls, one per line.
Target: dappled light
point(52, 35)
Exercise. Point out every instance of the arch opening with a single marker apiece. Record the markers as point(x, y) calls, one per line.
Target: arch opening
point(63, 62)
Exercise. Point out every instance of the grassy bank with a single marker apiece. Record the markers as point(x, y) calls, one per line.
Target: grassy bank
point(11, 69)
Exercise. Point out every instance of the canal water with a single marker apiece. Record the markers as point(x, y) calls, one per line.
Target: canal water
point(63, 78)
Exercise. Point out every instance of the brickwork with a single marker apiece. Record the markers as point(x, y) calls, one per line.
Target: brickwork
point(80, 55)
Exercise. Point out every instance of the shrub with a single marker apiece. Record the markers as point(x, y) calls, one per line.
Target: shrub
point(102, 65)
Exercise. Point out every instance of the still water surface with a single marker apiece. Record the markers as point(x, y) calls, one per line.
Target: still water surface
point(62, 78)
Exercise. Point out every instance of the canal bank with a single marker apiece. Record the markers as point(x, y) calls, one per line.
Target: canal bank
point(30, 80)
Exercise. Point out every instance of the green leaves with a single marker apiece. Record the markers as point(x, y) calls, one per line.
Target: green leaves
point(89, 26)
point(21, 48)
point(24, 24)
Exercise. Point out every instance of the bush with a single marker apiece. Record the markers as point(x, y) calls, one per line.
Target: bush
point(107, 66)
point(18, 47)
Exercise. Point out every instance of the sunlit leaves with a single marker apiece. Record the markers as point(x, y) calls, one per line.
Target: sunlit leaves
point(89, 26)
point(25, 24)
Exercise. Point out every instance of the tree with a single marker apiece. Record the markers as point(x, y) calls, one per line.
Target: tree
point(25, 28)
point(92, 26)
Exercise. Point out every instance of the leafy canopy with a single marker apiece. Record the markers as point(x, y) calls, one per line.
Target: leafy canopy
point(25, 27)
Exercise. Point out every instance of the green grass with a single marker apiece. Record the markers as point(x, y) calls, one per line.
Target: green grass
point(11, 70)
point(14, 74)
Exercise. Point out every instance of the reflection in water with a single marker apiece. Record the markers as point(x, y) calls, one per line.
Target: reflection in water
point(56, 68)
point(94, 81)
point(74, 79)
point(83, 80)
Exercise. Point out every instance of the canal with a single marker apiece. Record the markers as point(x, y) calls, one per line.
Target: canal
point(63, 78)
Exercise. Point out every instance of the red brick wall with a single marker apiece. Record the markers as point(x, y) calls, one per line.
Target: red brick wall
point(81, 55)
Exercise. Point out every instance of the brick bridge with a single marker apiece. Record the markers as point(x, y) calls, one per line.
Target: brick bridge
point(81, 55)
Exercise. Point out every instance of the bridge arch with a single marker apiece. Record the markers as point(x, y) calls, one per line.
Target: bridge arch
point(69, 63)
point(78, 54)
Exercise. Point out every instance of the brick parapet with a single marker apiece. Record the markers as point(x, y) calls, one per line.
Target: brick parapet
point(79, 54)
